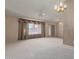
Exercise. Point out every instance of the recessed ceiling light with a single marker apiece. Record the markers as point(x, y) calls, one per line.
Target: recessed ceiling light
point(43, 14)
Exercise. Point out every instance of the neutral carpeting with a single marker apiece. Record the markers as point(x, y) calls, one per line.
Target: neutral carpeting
point(39, 48)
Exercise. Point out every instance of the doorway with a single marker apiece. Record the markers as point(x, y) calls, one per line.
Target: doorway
point(53, 30)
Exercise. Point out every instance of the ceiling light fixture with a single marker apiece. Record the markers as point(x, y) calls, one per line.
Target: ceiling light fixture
point(60, 7)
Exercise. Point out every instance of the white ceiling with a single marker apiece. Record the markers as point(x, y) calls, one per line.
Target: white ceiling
point(32, 9)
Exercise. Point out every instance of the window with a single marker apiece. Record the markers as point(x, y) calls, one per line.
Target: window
point(34, 28)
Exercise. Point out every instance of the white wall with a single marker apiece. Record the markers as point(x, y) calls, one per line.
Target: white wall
point(11, 24)
point(69, 23)
point(46, 30)
point(59, 29)
point(49, 30)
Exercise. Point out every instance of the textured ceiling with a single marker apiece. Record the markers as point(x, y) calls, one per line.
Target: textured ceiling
point(32, 9)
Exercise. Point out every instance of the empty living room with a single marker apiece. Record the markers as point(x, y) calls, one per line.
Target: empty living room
point(39, 29)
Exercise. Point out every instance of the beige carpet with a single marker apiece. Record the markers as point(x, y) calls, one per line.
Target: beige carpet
point(39, 48)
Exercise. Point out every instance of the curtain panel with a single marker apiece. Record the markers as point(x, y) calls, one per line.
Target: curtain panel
point(23, 29)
